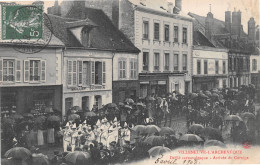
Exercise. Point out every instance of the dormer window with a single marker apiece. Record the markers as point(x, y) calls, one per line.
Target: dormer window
point(85, 39)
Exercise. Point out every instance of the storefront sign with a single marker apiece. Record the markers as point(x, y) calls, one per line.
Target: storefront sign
point(162, 82)
point(77, 88)
point(144, 82)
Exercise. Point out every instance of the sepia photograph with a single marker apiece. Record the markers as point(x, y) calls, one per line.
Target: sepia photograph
point(138, 82)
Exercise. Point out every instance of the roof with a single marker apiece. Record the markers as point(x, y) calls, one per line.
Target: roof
point(220, 36)
point(104, 36)
point(157, 5)
point(199, 39)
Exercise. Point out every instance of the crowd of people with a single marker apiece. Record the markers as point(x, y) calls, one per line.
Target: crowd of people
point(111, 134)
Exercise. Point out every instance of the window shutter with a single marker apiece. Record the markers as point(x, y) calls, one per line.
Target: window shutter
point(92, 72)
point(69, 72)
point(1, 70)
point(80, 69)
point(119, 69)
point(43, 70)
point(74, 70)
point(18, 71)
point(135, 69)
point(124, 69)
point(104, 72)
point(26, 71)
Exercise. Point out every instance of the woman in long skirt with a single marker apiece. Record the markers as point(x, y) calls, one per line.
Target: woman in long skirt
point(40, 137)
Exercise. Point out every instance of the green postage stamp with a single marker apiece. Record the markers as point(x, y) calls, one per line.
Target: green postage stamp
point(20, 22)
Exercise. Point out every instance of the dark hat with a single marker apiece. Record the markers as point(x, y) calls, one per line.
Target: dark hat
point(56, 152)
point(127, 142)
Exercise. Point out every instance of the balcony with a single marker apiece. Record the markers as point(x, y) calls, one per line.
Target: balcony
point(8, 78)
point(156, 68)
point(176, 68)
point(166, 68)
point(145, 68)
point(34, 78)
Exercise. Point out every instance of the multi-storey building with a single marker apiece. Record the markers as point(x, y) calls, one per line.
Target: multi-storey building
point(92, 46)
point(229, 34)
point(31, 82)
point(210, 64)
point(162, 33)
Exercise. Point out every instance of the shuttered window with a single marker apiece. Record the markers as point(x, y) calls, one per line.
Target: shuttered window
point(18, 70)
point(26, 71)
point(92, 72)
point(69, 72)
point(104, 72)
point(74, 73)
point(1, 70)
point(43, 70)
point(80, 69)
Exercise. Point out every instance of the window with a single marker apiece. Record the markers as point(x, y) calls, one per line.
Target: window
point(86, 71)
point(205, 66)
point(122, 69)
point(34, 70)
point(230, 63)
point(224, 83)
point(85, 103)
point(166, 32)
point(166, 61)
point(224, 67)
point(156, 61)
point(198, 67)
point(145, 61)
point(184, 62)
point(244, 63)
point(133, 69)
point(72, 73)
point(145, 30)
point(156, 31)
point(177, 88)
point(176, 34)
point(68, 103)
point(98, 72)
point(216, 67)
point(254, 65)
point(8, 70)
point(176, 62)
point(98, 101)
point(184, 35)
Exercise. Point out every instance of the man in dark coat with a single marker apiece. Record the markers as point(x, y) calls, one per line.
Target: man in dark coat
point(95, 153)
point(113, 153)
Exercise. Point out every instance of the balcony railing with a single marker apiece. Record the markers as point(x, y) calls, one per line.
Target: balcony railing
point(145, 68)
point(156, 68)
point(166, 68)
point(34, 78)
point(8, 78)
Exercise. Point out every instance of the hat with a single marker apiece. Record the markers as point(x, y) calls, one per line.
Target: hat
point(80, 125)
point(147, 120)
point(74, 125)
point(115, 119)
point(105, 119)
point(14, 139)
point(67, 125)
point(98, 122)
point(111, 129)
point(85, 122)
point(125, 124)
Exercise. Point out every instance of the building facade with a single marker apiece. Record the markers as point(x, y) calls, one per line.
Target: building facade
point(98, 58)
point(210, 68)
point(31, 82)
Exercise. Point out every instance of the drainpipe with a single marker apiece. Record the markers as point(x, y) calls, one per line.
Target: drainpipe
point(113, 55)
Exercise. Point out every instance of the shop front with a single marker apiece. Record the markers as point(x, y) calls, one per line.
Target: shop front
point(32, 99)
point(208, 82)
point(125, 89)
point(162, 83)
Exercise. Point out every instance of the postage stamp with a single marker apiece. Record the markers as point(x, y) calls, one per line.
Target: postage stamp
point(26, 27)
point(20, 22)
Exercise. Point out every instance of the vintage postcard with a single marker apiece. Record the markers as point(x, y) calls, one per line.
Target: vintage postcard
point(129, 82)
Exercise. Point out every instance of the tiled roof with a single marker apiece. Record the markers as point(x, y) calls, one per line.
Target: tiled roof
point(104, 36)
point(199, 39)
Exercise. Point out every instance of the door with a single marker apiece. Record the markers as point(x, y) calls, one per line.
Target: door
point(187, 87)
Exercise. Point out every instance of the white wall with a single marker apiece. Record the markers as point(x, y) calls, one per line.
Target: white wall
point(211, 56)
point(128, 57)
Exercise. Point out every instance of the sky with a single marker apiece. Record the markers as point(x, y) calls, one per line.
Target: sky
point(249, 8)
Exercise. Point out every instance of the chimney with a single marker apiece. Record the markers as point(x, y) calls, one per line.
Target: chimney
point(55, 10)
point(228, 21)
point(236, 23)
point(251, 29)
point(80, 5)
point(178, 4)
point(209, 25)
point(170, 7)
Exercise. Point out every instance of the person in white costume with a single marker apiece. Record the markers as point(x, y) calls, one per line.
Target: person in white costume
point(125, 134)
point(74, 136)
point(66, 137)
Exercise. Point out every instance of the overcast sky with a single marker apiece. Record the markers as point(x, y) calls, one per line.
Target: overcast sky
point(249, 8)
